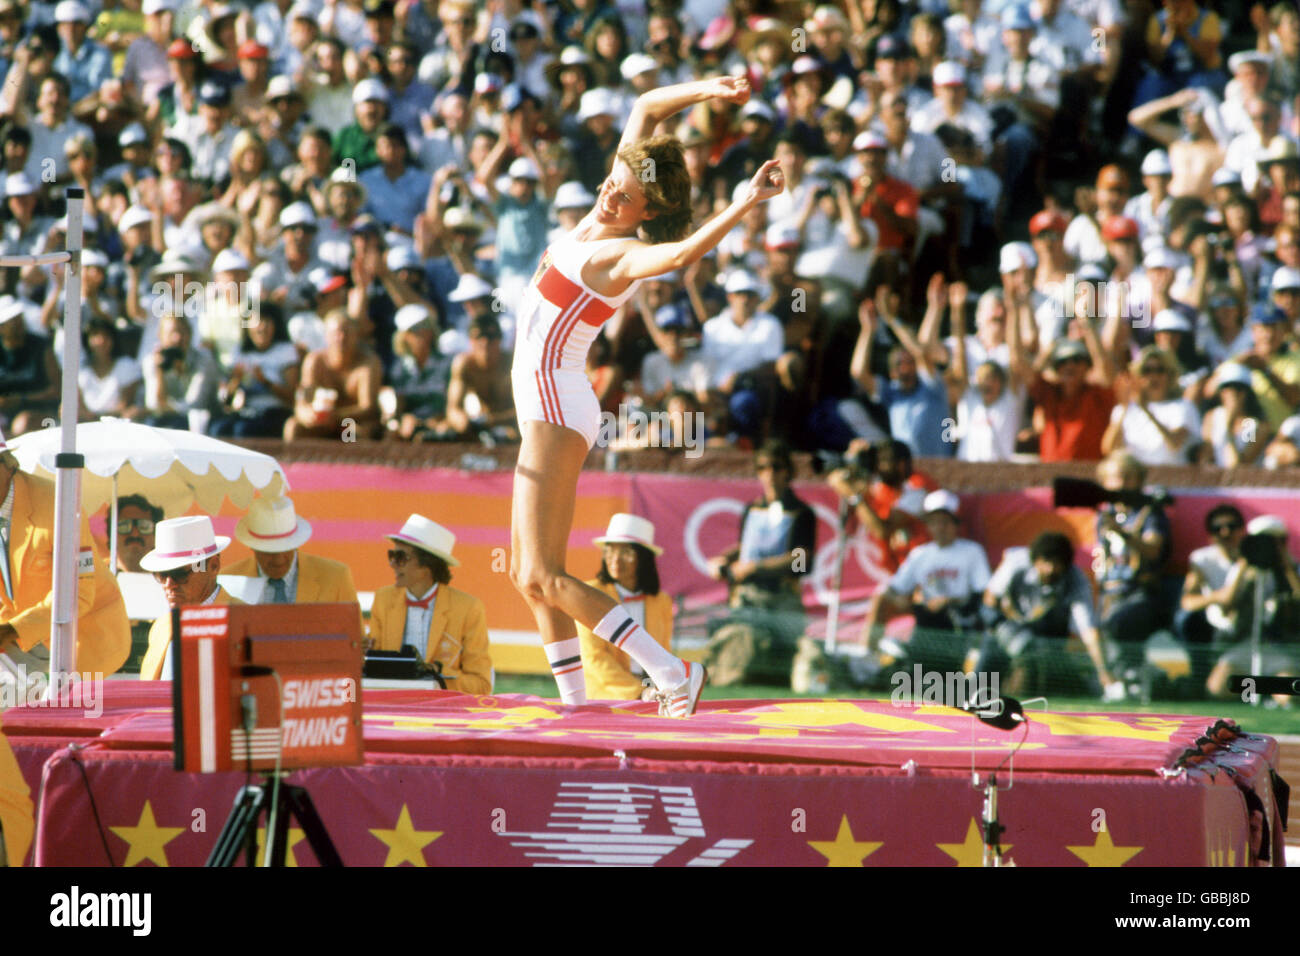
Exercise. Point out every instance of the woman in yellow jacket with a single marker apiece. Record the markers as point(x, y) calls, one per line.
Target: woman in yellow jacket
point(628, 575)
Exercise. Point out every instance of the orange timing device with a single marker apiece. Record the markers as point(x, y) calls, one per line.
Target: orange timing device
point(261, 682)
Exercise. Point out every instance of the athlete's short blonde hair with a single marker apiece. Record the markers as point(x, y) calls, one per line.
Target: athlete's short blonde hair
point(659, 164)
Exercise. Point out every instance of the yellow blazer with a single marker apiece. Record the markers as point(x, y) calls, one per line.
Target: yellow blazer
point(458, 635)
point(160, 635)
point(608, 671)
point(15, 805)
point(103, 632)
point(320, 581)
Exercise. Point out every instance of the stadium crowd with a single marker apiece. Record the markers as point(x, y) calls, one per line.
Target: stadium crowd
point(1062, 229)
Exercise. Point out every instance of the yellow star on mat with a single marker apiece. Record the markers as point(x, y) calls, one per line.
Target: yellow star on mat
point(405, 843)
point(146, 839)
point(971, 852)
point(825, 713)
point(1154, 729)
point(1104, 852)
point(296, 836)
point(844, 850)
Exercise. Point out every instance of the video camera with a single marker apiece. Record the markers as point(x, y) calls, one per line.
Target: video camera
point(1082, 493)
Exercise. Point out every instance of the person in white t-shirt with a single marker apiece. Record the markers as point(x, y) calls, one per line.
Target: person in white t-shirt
point(109, 379)
point(941, 583)
point(742, 347)
point(1158, 427)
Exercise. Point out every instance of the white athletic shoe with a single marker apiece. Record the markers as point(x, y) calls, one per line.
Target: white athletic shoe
point(682, 700)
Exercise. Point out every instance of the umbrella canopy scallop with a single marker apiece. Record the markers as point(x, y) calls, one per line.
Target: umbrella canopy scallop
point(174, 469)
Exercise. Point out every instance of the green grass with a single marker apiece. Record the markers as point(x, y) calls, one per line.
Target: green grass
point(1252, 719)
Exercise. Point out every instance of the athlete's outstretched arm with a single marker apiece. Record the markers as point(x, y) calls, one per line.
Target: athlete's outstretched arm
point(652, 108)
point(641, 261)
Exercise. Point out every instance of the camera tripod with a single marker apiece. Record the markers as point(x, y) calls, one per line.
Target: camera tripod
point(280, 801)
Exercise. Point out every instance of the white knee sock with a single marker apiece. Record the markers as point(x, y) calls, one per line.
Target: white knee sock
point(565, 658)
point(619, 629)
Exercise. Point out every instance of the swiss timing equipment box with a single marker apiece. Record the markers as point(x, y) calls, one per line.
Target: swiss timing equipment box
point(261, 682)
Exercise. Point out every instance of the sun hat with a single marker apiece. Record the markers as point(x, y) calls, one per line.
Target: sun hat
point(272, 525)
point(182, 541)
point(630, 529)
point(429, 536)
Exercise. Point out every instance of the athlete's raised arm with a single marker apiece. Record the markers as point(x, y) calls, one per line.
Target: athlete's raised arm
point(652, 108)
point(640, 261)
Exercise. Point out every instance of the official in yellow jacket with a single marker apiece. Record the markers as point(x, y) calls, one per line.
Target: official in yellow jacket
point(445, 626)
point(275, 533)
point(27, 505)
point(185, 560)
point(629, 575)
point(17, 823)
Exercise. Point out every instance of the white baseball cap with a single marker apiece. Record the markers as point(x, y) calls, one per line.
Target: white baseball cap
point(1156, 163)
point(409, 316)
point(1161, 257)
point(1167, 320)
point(597, 102)
point(10, 308)
point(95, 258)
point(297, 214)
point(19, 184)
point(869, 139)
point(1017, 255)
point(949, 73)
point(370, 89)
point(741, 280)
point(942, 501)
point(573, 195)
point(1285, 278)
point(524, 168)
point(70, 11)
point(150, 7)
point(230, 260)
point(468, 288)
point(134, 216)
point(636, 64)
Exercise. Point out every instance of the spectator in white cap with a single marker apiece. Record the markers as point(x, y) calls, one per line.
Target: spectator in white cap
point(1284, 452)
point(1234, 431)
point(1261, 115)
point(418, 374)
point(446, 627)
point(137, 159)
point(1174, 332)
point(186, 560)
point(597, 136)
point(1285, 289)
point(280, 278)
point(941, 583)
point(572, 200)
point(1150, 209)
point(952, 104)
point(1274, 364)
point(1250, 74)
point(1157, 426)
point(673, 366)
point(471, 298)
point(988, 407)
point(742, 346)
point(144, 70)
point(275, 534)
point(228, 305)
point(521, 211)
point(628, 574)
point(356, 141)
point(396, 190)
point(87, 65)
point(24, 229)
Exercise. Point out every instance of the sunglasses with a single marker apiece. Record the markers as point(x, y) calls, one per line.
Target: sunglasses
point(1226, 527)
point(143, 525)
point(398, 558)
point(1155, 370)
point(179, 575)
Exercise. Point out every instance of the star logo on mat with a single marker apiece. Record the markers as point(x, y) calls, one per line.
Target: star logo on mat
point(830, 713)
point(146, 839)
point(296, 836)
point(844, 850)
point(971, 851)
point(405, 843)
point(1154, 729)
point(1104, 852)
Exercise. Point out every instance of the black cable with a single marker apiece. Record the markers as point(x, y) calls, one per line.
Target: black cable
point(73, 749)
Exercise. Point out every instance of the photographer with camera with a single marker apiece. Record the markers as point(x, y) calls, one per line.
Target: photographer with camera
point(1133, 547)
point(877, 482)
point(1263, 562)
point(1044, 604)
point(179, 379)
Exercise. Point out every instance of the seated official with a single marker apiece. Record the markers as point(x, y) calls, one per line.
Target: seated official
point(136, 518)
point(185, 561)
point(940, 584)
point(275, 533)
point(627, 574)
point(17, 823)
point(27, 505)
point(447, 627)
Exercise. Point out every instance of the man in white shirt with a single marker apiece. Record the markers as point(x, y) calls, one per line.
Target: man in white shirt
point(941, 584)
point(952, 105)
point(674, 367)
point(743, 346)
point(1150, 210)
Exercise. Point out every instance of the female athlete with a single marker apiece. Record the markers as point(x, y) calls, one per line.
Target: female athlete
point(582, 280)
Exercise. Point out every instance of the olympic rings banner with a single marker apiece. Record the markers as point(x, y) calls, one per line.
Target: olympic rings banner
point(352, 507)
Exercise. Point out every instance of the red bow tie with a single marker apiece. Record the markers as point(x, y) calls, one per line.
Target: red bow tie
point(412, 602)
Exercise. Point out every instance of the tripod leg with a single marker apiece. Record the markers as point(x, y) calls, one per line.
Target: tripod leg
point(240, 827)
point(304, 811)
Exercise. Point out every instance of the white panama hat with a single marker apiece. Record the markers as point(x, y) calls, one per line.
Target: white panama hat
point(630, 529)
point(272, 526)
point(182, 541)
point(420, 532)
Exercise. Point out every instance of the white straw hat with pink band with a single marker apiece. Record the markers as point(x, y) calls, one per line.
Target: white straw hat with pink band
point(182, 541)
point(272, 526)
point(630, 529)
point(420, 532)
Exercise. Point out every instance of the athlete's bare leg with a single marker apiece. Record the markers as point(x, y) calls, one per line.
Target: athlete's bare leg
point(542, 505)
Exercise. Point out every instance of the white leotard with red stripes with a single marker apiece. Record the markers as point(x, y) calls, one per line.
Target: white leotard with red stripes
point(558, 320)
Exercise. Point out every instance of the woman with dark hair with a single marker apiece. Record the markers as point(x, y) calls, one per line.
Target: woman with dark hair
point(581, 281)
point(109, 380)
point(629, 576)
point(606, 43)
point(263, 378)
